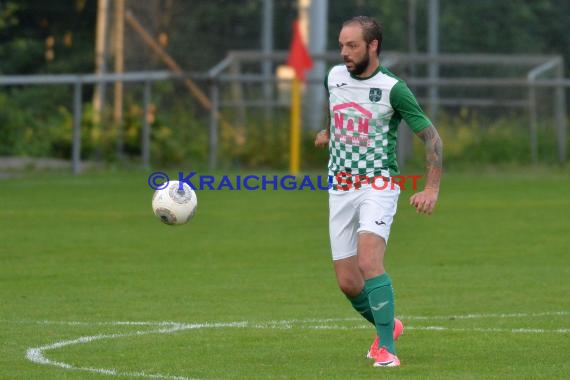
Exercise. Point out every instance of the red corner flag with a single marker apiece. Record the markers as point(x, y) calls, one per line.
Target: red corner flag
point(299, 58)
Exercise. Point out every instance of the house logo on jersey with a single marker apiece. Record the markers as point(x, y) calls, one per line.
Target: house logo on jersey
point(375, 95)
point(351, 123)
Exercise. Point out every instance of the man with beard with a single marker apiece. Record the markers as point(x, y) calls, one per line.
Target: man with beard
point(366, 104)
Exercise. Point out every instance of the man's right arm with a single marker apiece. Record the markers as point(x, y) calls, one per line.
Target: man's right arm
point(324, 135)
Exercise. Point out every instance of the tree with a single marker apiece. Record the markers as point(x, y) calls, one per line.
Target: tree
point(29, 29)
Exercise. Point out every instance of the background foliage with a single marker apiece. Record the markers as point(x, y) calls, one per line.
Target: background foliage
point(36, 121)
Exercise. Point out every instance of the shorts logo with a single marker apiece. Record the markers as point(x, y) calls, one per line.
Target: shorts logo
point(375, 95)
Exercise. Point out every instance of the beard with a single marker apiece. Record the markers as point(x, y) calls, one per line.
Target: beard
point(360, 67)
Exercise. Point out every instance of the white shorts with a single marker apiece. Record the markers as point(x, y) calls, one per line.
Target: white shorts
point(363, 210)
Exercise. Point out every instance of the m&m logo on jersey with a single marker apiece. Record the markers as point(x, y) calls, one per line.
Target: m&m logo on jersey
point(346, 115)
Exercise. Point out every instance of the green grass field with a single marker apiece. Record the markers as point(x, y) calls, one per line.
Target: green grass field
point(93, 286)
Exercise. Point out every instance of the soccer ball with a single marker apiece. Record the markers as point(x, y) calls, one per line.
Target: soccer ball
point(175, 204)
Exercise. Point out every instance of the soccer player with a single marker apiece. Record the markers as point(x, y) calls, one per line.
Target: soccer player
point(366, 104)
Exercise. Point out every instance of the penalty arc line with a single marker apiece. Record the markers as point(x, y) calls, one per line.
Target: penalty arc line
point(36, 354)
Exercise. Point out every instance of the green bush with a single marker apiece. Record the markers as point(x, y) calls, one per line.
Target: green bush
point(34, 131)
point(32, 126)
point(470, 139)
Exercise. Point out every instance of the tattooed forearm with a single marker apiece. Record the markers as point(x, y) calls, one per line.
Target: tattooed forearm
point(434, 146)
point(434, 156)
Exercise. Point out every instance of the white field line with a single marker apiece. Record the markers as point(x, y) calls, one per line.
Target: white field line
point(37, 354)
point(452, 329)
point(291, 322)
point(323, 324)
point(487, 316)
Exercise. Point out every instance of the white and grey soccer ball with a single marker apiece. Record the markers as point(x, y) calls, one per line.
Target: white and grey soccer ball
point(175, 204)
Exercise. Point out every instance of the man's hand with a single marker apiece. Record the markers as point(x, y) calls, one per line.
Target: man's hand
point(322, 138)
point(425, 201)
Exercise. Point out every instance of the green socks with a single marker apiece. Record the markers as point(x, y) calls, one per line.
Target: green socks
point(381, 306)
point(361, 304)
point(376, 304)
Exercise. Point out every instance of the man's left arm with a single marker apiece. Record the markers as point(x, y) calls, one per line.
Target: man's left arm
point(425, 200)
point(406, 104)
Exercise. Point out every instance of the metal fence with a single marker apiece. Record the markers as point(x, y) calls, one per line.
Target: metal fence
point(243, 68)
point(528, 77)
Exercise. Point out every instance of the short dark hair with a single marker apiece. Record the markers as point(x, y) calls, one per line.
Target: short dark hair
point(371, 29)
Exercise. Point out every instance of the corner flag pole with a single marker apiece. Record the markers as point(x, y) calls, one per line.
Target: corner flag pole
point(294, 158)
point(300, 60)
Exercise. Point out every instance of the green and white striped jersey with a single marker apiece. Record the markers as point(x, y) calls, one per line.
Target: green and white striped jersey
point(365, 114)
